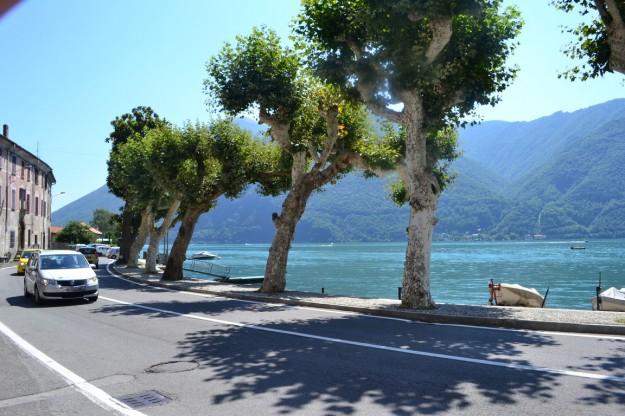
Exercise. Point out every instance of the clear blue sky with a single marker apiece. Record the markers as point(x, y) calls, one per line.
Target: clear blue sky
point(70, 66)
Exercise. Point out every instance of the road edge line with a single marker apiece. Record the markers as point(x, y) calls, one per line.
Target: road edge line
point(91, 392)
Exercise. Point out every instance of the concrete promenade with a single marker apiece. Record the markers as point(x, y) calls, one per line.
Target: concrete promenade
point(565, 320)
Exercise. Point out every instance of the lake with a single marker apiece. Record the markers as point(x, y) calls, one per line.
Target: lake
point(460, 270)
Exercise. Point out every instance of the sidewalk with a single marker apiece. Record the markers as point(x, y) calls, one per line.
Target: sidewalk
point(565, 320)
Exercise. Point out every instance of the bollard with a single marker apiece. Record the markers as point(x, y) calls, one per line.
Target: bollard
point(399, 293)
point(323, 290)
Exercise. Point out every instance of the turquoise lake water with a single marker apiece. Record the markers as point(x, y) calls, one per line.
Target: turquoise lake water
point(460, 270)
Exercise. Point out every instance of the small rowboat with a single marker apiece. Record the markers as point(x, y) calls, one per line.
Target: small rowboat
point(611, 299)
point(506, 294)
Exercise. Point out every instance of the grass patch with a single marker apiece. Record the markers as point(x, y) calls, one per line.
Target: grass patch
point(620, 321)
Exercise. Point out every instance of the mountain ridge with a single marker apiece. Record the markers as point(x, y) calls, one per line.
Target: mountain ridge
point(560, 168)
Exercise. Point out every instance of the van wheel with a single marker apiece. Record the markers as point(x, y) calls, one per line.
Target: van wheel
point(92, 299)
point(26, 294)
point(37, 298)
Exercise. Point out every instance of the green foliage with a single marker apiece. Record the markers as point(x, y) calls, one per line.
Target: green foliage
point(256, 70)
point(591, 43)
point(107, 222)
point(75, 232)
point(137, 122)
point(223, 159)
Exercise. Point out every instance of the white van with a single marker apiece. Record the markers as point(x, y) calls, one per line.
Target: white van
point(112, 252)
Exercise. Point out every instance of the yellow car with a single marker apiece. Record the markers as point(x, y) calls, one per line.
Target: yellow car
point(90, 254)
point(23, 260)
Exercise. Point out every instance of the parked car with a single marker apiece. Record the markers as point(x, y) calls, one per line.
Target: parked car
point(24, 255)
point(90, 254)
point(60, 274)
point(112, 253)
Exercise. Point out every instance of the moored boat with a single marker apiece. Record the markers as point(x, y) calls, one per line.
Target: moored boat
point(204, 255)
point(508, 294)
point(611, 299)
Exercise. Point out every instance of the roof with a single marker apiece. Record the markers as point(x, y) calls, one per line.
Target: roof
point(53, 252)
point(91, 229)
point(55, 229)
point(31, 155)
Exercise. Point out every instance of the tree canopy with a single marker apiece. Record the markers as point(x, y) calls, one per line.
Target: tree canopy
point(75, 232)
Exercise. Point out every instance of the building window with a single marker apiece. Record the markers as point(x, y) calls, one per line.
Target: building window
point(36, 176)
point(43, 208)
point(43, 240)
point(13, 199)
point(12, 239)
point(13, 169)
point(36, 241)
point(36, 205)
point(23, 170)
point(28, 204)
point(28, 238)
point(28, 173)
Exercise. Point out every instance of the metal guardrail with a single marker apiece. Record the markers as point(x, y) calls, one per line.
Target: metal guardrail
point(208, 268)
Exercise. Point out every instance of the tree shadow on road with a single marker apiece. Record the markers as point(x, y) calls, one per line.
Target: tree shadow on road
point(298, 371)
point(607, 391)
point(295, 372)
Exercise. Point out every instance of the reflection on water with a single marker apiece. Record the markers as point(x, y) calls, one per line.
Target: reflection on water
point(460, 270)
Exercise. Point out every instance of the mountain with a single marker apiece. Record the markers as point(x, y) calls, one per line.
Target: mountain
point(558, 175)
point(82, 208)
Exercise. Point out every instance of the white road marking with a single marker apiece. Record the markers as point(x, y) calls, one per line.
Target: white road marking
point(601, 377)
point(350, 313)
point(93, 393)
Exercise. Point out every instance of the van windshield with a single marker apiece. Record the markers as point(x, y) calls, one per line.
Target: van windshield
point(63, 261)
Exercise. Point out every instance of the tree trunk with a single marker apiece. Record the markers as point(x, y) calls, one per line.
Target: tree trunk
point(126, 238)
point(616, 36)
point(285, 223)
point(147, 221)
point(422, 194)
point(416, 283)
point(173, 270)
point(156, 235)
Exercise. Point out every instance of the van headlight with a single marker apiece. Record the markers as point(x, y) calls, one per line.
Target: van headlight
point(92, 281)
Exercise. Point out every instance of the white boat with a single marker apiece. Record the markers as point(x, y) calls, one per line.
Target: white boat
point(612, 299)
point(506, 294)
point(204, 255)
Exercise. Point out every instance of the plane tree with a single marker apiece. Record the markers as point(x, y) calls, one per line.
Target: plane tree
point(166, 153)
point(138, 121)
point(128, 163)
point(325, 133)
point(221, 159)
point(599, 42)
point(423, 65)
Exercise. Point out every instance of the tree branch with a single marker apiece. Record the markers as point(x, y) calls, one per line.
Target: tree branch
point(332, 129)
point(279, 130)
point(441, 35)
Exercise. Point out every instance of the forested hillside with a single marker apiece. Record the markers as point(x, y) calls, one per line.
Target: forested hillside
point(559, 175)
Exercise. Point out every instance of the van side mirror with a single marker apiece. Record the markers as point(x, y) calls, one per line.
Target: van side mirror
point(92, 265)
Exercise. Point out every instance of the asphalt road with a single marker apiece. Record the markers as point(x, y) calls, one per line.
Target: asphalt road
point(210, 355)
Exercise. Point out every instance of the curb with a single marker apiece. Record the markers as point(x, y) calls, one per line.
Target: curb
point(413, 315)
